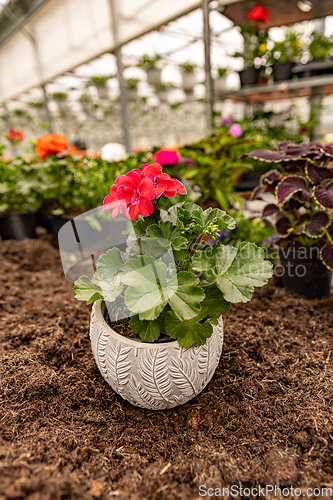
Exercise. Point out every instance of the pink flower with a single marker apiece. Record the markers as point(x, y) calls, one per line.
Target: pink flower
point(167, 157)
point(226, 121)
point(236, 130)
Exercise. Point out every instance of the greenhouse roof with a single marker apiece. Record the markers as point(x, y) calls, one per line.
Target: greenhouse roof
point(43, 39)
point(15, 15)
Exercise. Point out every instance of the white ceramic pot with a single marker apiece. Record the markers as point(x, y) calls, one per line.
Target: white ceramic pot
point(163, 96)
point(102, 92)
point(62, 105)
point(132, 95)
point(153, 375)
point(188, 82)
point(154, 76)
point(220, 84)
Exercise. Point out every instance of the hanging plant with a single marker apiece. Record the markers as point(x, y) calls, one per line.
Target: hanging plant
point(188, 71)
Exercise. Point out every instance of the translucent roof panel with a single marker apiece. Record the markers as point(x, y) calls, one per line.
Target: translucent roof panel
point(70, 33)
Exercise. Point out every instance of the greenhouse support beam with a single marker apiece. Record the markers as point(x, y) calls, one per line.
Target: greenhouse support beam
point(317, 92)
point(123, 90)
point(9, 125)
point(209, 80)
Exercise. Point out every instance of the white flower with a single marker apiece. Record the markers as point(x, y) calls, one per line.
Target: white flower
point(113, 151)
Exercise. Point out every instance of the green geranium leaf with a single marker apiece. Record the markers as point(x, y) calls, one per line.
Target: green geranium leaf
point(182, 255)
point(109, 289)
point(86, 290)
point(144, 295)
point(108, 264)
point(166, 231)
point(151, 287)
point(180, 217)
point(214, 304)
point(148, 330)
point(214, 216)
point(185, 302)
point(189, 332)
point(236, 271)
point(203, 260)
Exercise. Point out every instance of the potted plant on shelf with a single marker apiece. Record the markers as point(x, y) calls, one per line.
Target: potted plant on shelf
point(284, 56)
point(170, 288)
point(132, 89)
point(150, 65)
point(61, 100)
point(255, 45)
point(39, 106)
point(220, 83)
point(302, 213)
point(162, 91)
point(86, 102)
point(188, 71)
point(100, 82)
point(320, 52)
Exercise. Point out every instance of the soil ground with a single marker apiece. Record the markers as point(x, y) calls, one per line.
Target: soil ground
point(265, 418)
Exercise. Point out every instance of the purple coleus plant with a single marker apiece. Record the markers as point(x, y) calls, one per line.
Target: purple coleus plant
point(303, 186)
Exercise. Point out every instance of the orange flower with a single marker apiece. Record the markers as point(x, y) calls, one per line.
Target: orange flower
point(51, 143)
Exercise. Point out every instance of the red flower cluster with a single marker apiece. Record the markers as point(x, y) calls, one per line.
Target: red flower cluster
point(51, 143)
point(133, 193)
point(15, 136)
point(259, 14)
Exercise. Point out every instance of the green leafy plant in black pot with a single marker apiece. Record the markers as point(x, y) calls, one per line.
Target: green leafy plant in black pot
point(284, 55)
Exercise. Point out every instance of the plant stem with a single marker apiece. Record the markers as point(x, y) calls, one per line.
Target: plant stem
point(195, 246)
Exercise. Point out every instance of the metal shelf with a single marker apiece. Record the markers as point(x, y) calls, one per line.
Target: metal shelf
point(301, 87)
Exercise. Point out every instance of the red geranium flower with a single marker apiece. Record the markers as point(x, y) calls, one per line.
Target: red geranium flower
point(110, 201)
point(259, 13)
point(133, 193)
point(15, 136)
point(167, 157)
point(163, 183)
point(136, 194)
point(51, 143)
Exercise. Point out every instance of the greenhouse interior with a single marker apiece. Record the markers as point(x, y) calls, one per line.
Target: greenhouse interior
point(166, 243)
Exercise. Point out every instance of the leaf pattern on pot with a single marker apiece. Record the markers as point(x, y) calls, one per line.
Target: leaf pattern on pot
point(145, 397)
point(203, 359)
point(154, 373)
point(185, 377)
point(101, 351)
point(92, 321)
point(118, 363)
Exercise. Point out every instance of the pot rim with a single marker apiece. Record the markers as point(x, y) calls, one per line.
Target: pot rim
point(131, 342)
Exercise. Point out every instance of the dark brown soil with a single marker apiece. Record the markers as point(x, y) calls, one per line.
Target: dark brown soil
point(265, 418)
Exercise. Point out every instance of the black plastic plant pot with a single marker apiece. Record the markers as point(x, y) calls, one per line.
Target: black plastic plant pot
point(283, 71)
point(248, 182)
point(56, 224)
point(302, 272)
point(44, 218)
point(249, 76)
point(18, 226)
